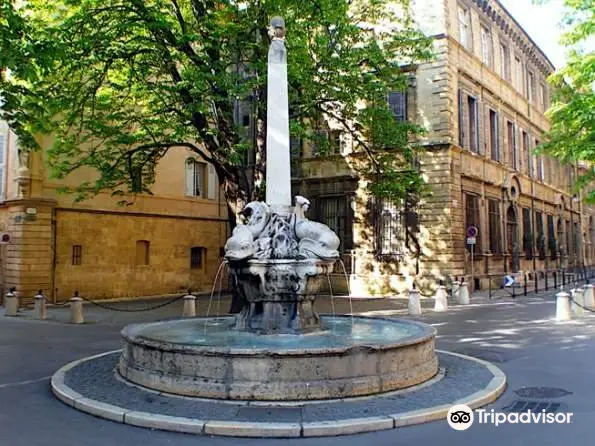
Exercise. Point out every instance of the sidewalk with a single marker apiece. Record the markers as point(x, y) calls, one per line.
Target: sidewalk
point(126, 312)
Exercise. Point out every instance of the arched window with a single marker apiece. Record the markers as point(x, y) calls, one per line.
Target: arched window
point(142, 252)
point(195, 178)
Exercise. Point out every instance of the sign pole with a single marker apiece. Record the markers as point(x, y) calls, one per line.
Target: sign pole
point(472, 267)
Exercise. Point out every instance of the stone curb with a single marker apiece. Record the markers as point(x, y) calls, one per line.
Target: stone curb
point(228, 428)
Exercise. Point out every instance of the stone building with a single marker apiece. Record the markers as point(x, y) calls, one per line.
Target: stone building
point(161, 244)
point(482, 100)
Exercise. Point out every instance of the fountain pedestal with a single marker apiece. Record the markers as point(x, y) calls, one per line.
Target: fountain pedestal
point(278, 294)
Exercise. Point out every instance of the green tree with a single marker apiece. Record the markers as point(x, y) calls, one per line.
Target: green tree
point(572, 114)
point(118, 83)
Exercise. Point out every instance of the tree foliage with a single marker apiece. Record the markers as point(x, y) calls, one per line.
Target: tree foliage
point(572, 113)
point(118, 83)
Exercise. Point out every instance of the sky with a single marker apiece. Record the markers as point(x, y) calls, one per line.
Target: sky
point(542, 23)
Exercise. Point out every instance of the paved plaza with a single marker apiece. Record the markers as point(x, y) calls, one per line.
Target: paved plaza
point(519, 336)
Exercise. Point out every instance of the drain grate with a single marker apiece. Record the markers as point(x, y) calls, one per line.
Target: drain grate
point(541, 392)
point(521, 406)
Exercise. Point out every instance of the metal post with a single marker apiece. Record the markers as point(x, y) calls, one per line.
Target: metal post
point(525, 285)
point(563, 278)
point(536, 282)
point(472, 268)
point(546, 287)
point(513, 289)
point(489, 287)
point(555, 279)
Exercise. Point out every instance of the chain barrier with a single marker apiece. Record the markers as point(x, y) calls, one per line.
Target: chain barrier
point(130, 310)
point(592, 310)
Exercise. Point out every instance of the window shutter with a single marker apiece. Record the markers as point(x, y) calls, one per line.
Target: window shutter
point(212, 183)
point(461, 121)
point(190, 177)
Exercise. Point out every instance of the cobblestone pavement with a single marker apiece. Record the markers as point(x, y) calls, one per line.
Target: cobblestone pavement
point(518, 335)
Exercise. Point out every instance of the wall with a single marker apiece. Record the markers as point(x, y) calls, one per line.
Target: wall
point(109, 266)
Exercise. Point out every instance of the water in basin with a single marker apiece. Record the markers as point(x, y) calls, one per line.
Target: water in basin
point(337, 332)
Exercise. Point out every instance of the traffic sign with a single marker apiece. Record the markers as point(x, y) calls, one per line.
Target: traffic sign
point(471, 240)
point(472, 231)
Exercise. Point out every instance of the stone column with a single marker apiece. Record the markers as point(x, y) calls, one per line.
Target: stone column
point(76, 310)
point(563, 306)
point(189, 306)
point(40, 311)
point(414, 306)
point(278, 170)
point(441, 296)
point(578, 303)
point(11, 303)
point(29, 259)
point(589, 297)
point(464, 294)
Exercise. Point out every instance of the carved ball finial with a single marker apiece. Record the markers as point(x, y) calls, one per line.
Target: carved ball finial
point(277, 28)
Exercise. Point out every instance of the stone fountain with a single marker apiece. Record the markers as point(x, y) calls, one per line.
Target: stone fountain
point(278, 347)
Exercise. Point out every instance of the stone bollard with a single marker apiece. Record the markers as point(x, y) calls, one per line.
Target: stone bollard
point(563, 306)
point(456, 287)
point(11, 303)
point(414, 305)
point(441, 299)
point(589, 297)
point(578, 303)
point(189, 306)
point(40, 311)
point(464, 294)
point(76, 309)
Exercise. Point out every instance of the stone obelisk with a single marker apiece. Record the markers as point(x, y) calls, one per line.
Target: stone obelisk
point(278, 170)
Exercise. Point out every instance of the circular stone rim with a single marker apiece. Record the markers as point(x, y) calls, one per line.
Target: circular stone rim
point(344, 426)
point(130, 334)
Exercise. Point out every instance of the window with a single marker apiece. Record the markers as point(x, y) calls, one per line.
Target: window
point(551, 235)
point(195, 178)
point(527, 153)
point(531, 93)
point(494, 227)
point(494, 136)
point(295, 146)
point(335, 212)
point(2, 167)
point(512, 147)
point(518, 74)
point(198, 256)
point(142, 252)
point(465, 27)
point(473, 124)
point(486, 46)
point(326, 142)
point(77, 254)
point(504, 62)
point(472, 217)
point(387, 227)
point(527, 234)
point(397, 102)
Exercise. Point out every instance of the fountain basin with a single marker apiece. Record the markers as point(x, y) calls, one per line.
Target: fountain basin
point(205, 357)
point(278, 295)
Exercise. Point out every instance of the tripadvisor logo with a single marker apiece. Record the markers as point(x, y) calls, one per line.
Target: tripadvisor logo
point(460, 417)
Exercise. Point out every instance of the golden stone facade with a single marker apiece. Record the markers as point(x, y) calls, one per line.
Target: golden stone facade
point(161, 244)
point(482, 100)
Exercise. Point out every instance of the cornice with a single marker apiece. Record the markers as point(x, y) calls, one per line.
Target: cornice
point(494, 10)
